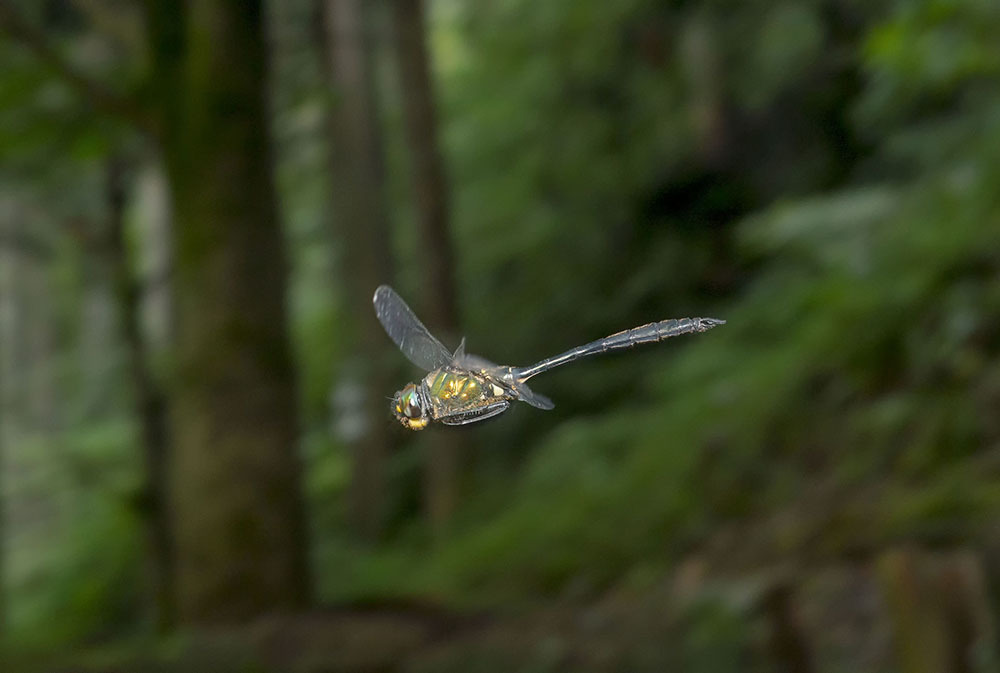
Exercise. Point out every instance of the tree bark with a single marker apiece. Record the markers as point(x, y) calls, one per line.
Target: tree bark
point(443, 467)
point(150, 406)
point(234, 472)
point(361, 226)
point(238, 515)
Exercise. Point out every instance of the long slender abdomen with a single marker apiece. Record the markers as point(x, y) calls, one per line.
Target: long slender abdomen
point(651, 333)
point(655, 331)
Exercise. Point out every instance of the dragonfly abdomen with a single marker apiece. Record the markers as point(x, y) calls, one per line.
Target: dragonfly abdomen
point(655, 331)
point(651, 333)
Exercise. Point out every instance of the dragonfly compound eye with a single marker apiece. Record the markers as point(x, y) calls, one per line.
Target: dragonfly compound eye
point(409, 400)
point(409, 408)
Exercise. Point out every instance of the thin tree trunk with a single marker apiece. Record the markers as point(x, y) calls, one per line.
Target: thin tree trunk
point(37, 349)
point(150, 405)
point(3, 473)
point(6, 279)
point(789, 647)
point(431, 194)
point(235, 473)
point(703, 68)
point(362, 229)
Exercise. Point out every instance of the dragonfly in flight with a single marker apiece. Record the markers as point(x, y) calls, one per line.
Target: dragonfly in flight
point(461, 388)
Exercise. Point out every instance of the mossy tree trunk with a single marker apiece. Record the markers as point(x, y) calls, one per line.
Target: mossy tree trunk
point(234, 470)
point(239, 530)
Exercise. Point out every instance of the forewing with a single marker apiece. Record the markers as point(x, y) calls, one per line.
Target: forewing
point(475, 362)
point(406, 330)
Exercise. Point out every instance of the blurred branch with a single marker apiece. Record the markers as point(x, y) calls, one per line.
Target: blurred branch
point(85, 233)
point(108, 101)
point(115, 21)
point(149, 399)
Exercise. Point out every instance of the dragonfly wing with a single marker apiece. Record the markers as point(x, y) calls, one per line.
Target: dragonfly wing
point(526, 394)
point(407, 332)
point(476, 363)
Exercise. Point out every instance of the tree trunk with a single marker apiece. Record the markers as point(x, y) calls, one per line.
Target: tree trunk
point(430, 191)
point(238, 516)
point(234, 470)
point(6, 279)
point(787, 640)
point(362, 229)
point(149, 402)
point(703, 68)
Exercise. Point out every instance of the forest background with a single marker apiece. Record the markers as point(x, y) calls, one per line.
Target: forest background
point(199, 468)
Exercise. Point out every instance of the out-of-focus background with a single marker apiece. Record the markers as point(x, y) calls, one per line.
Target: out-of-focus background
point(199, 468)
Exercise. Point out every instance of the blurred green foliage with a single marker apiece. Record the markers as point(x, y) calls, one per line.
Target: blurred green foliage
point(847, 225)
point(856, 380)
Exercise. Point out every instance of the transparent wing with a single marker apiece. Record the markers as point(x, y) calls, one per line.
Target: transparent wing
point(477, 363)
point(406, 330)
point(537, 400)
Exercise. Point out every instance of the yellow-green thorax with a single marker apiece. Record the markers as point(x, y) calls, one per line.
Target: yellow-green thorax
point(451, 396)
point(454, 392)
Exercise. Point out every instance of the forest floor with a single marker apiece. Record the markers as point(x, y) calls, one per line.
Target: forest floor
point(687, 620)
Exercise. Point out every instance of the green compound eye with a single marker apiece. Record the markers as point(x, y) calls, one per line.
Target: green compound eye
point(411, 403)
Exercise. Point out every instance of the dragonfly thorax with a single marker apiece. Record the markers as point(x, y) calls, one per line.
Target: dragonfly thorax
point(410, 408)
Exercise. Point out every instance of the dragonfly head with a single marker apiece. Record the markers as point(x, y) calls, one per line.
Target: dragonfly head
point(409, 407)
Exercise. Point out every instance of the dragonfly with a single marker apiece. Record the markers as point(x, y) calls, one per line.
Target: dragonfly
point(461, 388)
